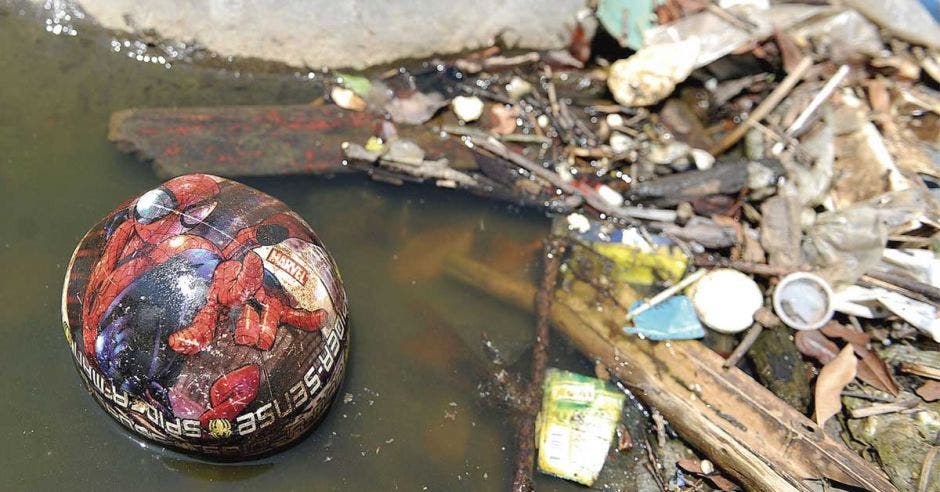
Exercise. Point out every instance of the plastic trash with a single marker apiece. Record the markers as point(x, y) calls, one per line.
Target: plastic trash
point(576, 425)
point(868, 303)
point(847, 243)
point(171, 355)
point(467, 108)
point(627, 20)
point(672, 319)
point(622, 255)
point(844, 35)
point(726, 300)
point(651, 74)
point(803, 301)
point(906, 19)
point(718, 37)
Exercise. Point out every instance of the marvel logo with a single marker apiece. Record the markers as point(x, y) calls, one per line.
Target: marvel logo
point(289, 265)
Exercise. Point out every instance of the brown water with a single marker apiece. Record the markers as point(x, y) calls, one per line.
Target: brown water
point(405, 418)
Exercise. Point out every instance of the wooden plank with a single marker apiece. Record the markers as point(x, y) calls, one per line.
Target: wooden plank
point(260, 140)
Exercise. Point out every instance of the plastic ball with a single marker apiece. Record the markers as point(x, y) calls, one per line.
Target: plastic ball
point(207, 317)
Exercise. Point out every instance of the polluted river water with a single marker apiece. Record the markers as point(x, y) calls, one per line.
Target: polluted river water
point(405, 418)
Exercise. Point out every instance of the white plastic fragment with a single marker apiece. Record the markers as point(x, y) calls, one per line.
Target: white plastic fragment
point(517, 88)
point(703, 159)
point(467, 108)
point(614, 119)
point(652, 73)
point(610, 195)
point(577, 222)
point(620, 142)
point(726, 300)
point(803, 301)
point(867, 302)
point(921, 263)
point(347, 99)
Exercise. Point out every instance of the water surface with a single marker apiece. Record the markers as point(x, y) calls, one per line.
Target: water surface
point(405, 418)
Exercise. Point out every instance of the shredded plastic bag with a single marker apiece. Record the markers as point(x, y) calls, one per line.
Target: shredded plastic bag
point(846, 243)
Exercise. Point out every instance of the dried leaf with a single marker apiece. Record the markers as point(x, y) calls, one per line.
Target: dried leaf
point(874, 371)
point(625, 440)
point(722, 483)
point(789, 50)
point(415, 109)
point(503, 119)
point(832, 379)
point(691, 465)
point(812, 343)
point(834, 329)
point(930, 391)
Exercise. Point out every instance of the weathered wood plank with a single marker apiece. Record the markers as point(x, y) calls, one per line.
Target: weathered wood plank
point(259, 140)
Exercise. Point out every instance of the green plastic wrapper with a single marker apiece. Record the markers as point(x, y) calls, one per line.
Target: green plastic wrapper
point(576, 425)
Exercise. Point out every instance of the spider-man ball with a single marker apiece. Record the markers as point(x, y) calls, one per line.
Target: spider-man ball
point(207, 317)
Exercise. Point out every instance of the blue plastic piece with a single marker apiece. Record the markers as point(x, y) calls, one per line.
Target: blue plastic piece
point(627, 20)
point(672, 319)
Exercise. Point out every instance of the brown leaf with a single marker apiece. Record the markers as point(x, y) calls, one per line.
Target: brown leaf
point(691, 465)
point(874, 371)
point(625, 440)
point(930, 391)
point(812, 343)
point(503, 119)
point(834, 329)
point(832, 379)
point(789, 50)
point(722, 483)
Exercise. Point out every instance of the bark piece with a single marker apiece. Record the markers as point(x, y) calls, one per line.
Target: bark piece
point(724, 178)
point(258, 140)
point(781, 232)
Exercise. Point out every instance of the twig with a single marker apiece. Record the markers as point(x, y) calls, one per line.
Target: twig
point(797, 126)
point(653, 466)
point(736, 20)
point(647, 213)
point(884, 408)
point(590, 197)
point(870, 281)
point(666, 294)
point(922, 370)
point(660, 423)
point(911, 285)
point(765, 107)
point(867, 396)
point(749, 338)
point(743, 266)
point(523, 138)
point(418, 168)
point(926, 468)
point(525, 456)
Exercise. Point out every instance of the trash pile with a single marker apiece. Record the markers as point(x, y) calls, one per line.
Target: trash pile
point(760, 175)
point(765, 170)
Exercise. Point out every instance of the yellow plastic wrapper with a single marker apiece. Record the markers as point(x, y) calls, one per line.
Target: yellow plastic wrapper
point(576, 425)
point(660, 265)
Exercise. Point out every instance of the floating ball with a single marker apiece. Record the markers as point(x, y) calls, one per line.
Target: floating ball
point(207, 317)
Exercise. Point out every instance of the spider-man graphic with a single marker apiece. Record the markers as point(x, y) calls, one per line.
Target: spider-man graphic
point(160, 292)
